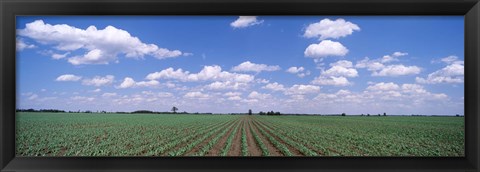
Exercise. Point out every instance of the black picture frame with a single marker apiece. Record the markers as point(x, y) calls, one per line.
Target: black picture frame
point(470, 9)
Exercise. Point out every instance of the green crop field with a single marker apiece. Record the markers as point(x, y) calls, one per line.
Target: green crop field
point(77, 134)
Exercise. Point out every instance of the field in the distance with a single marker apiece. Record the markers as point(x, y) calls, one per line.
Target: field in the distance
point(77, 134)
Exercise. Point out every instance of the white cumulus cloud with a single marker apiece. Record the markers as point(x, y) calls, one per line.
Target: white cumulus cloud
point(208, 73)
point(295, 69)
point(383, 67)
point(227, 85)
point(337, 74)
point(258, 96)
point(130, 83)
point(384, 86)
point(300, 71)
point(452, 73)
point(21, 45)
point(327, 28)
point(99, 81)
point(196, 95)
point(68, 77)
point(341, 71)
point(299, 89)
point(325, 48)
point(253, 67)
point(101, 46)
point(274, 87)
point(397, 70)
point(245, 21)
point(331, 80)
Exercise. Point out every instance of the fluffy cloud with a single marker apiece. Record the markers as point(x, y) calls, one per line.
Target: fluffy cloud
point(60, 56)
point(257, 95)
point(337, 74)
point(399, 54)
point(109, 94)
point(196, 95)
point(262, 81)
point(342, 63)
point(129, 83)
point(299, 89)
point(452, 73)
point(274, 87)
point(150, 83)
point(230, 94)
point(405, 92)
point(298, 71)
point(331, 80)
point(327, 28)
point(397, 70)
point(393, 57)
point(21, 45)
point(377, 64)
point(227, 85)
point(340, 71)
point(82, 98)
point(68, 77)
point(383, 86)
point(33, 97)
point(100, 46)
point(371, 65)
point(99, 81)
point(169, 73)
point(252, 67)
point(325, 48)
point(235, 96)
point(380, 66)
point(413, 88)
point(208, 73)
point(294, 69)
point(450, 59)
point(245, 21)
point(301, 75)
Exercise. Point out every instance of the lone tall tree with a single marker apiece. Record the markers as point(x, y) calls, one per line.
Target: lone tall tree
point(249, 111)
point(174, 109)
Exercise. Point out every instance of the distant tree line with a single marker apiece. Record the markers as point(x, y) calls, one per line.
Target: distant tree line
point(154, 112)
point(41, 110)
point(269, 113)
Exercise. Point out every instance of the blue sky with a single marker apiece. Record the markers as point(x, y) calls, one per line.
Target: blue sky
point(292, 64)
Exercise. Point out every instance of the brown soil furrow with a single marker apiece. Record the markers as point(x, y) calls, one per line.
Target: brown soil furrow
point(271, 148)
point(217, 148)
point(318, 151)
point(253, 148)
point(62, 152)
point(186, 143)
point(294, 151)
point(236, 149)
point(205, 142)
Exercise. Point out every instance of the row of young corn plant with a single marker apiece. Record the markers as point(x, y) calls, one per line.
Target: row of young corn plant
point(259, 141)
point(244, 141)
point(213, 141)
point(274, 141)
point(184, 149)
point(302, 148)
point(229, 143)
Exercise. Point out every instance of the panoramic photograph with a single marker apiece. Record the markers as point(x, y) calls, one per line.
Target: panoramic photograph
point(318, 86)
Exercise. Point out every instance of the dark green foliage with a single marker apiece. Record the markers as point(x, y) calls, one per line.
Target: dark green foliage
point(174, 109)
